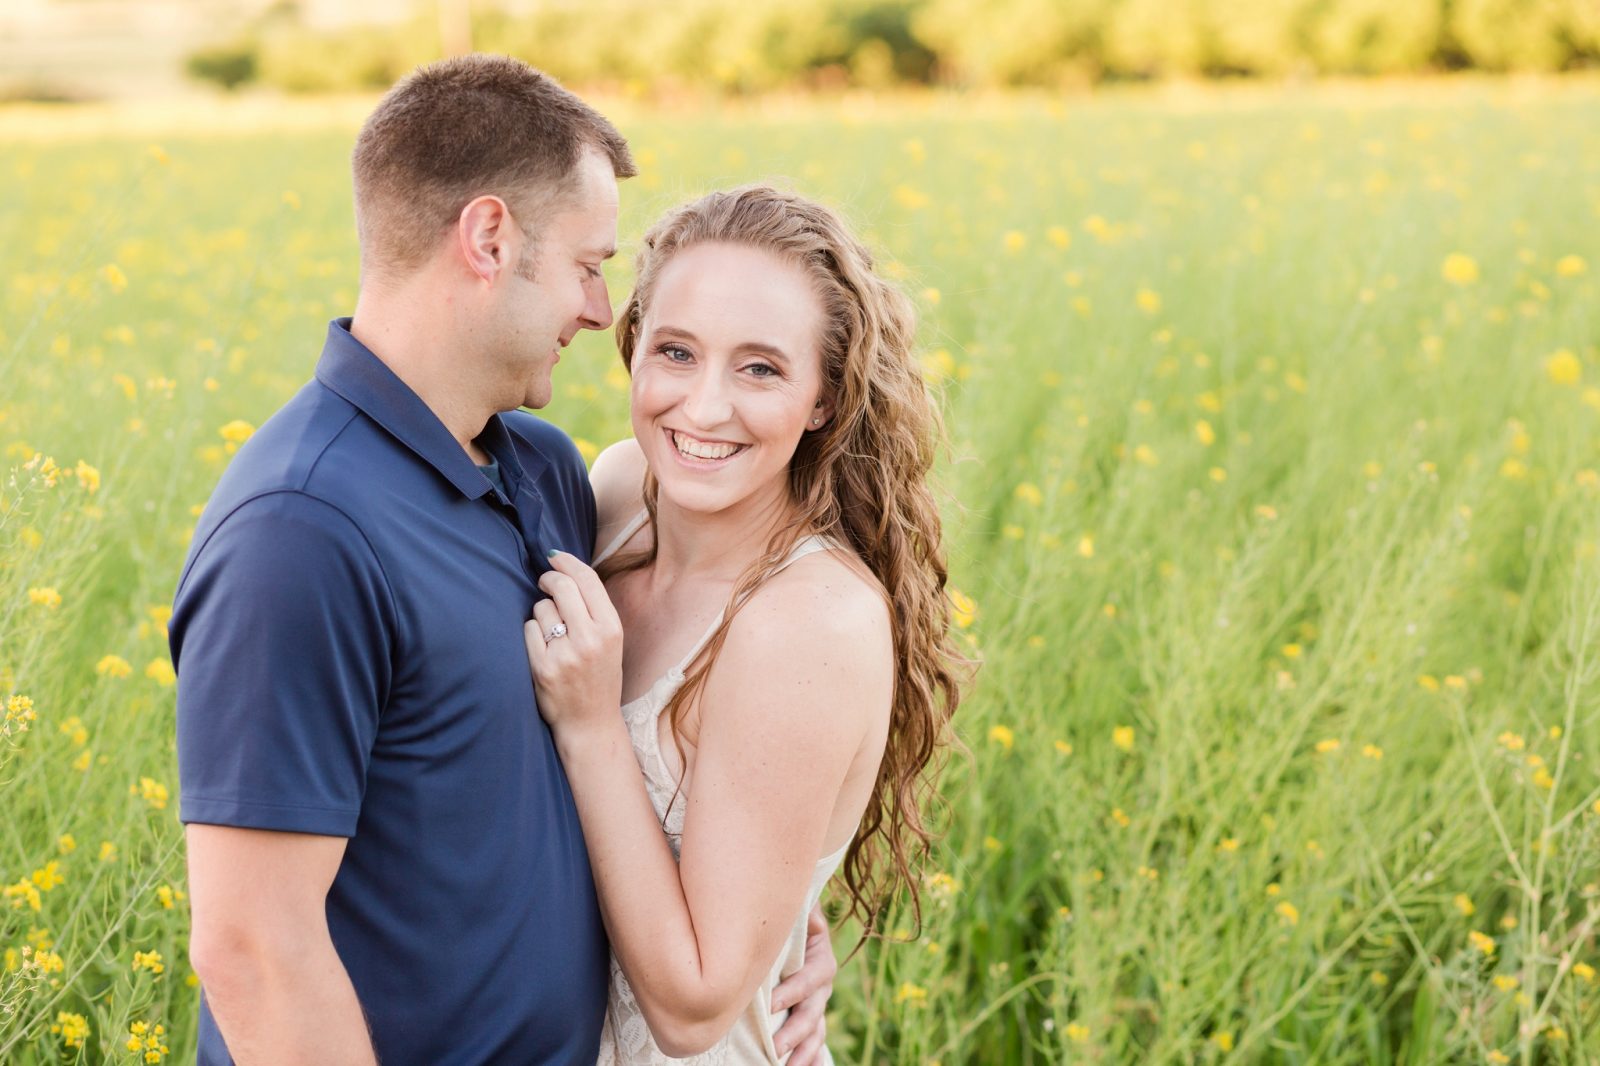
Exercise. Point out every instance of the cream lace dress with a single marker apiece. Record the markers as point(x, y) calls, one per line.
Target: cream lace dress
point(625, 1040)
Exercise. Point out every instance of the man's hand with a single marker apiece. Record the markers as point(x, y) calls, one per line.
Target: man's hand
point(807, 990)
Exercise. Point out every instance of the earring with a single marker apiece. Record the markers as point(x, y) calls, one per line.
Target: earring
point(816, 421)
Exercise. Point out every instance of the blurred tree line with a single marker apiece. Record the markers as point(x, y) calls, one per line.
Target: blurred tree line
point(741, 46)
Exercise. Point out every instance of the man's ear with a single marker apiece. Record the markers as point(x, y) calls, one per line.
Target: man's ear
point(483, 232)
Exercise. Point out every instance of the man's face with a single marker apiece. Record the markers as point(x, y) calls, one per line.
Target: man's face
point(559, 289)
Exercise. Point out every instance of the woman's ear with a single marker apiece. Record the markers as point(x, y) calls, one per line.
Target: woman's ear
point(821, 415)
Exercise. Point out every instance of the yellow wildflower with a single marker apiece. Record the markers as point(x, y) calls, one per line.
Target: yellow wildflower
point(1077, 1032)
point(1288, 913)
point(44, 597)
point(1204, 433)
point(1459, 269)
point(1086, 545)
point(1482, 942)
point(1584, 971)
point(148, 960)
point(48, 876)
point(1508, 921)
point(1003, 736)
point(236, 432)
point(1371, 751)
point(72, 1028)
point(1029, 493)
point(910, 198)
point(1570, 266)
point(1464, 905)
point(161, 672)
point(66, 843)
point(1063, 748)
point(1122, 737)
point(963, 611)
point(1327, 746)
point(1059, 236)
point(1145, 455)
point(1223, 1039)
point(108, 851)
point(1148, 300)
point(1015, 241)
point(114, 277)
point(1428, 682)
point(1119, 816)
point(915, 995)
point(1498, 1057)
point(1291, 651)
point(151, 791)
point(1563, 367)
point(1505, 982)
point(23, 893)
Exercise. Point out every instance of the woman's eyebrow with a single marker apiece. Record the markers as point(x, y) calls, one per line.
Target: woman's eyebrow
point(757, 347)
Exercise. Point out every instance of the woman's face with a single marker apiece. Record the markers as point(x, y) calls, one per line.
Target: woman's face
point(727, 373)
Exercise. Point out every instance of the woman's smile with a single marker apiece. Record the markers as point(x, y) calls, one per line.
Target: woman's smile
point(702, 454)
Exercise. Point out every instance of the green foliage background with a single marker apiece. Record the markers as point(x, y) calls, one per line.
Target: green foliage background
point(746, 46)
point(1272, 500)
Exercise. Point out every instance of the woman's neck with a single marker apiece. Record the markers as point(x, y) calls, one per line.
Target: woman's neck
point(720, 545)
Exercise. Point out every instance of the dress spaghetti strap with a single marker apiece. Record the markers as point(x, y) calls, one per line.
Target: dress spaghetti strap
point(635, 524)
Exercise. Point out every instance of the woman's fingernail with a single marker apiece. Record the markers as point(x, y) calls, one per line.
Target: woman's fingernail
point(552, 553)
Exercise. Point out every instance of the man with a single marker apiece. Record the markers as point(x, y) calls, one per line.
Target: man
point(384, 858)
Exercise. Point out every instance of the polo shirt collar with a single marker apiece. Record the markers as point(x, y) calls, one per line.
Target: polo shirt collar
point(350, 369)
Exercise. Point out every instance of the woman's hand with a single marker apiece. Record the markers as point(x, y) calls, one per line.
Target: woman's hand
point(575, 648)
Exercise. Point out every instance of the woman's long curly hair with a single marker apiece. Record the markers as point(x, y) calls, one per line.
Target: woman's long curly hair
point(862, 480)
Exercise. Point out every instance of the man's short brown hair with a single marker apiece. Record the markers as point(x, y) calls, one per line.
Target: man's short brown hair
point(466, 127)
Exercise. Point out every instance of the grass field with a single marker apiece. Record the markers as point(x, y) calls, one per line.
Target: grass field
point(1273, 505)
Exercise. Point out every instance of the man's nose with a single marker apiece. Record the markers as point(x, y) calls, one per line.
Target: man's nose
point(597, 312)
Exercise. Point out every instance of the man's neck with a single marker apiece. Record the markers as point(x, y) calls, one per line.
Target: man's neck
point(387, 321)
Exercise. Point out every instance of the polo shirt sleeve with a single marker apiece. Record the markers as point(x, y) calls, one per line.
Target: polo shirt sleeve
point(281, 633)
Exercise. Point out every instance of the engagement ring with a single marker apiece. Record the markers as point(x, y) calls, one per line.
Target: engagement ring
point(556, 632)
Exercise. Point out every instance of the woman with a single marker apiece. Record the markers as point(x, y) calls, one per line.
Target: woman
point(772, 552)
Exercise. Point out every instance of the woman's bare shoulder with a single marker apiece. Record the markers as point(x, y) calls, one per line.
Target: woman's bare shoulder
point(617, 477)
point(826, 617)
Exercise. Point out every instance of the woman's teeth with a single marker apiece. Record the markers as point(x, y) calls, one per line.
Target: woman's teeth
point(701, 449)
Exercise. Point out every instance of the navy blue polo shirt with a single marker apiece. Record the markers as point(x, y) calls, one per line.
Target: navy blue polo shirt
point(348, 638)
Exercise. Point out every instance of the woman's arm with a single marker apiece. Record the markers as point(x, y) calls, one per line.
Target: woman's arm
point(804, 679)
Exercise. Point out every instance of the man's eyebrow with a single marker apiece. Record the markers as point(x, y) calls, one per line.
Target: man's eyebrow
point(606, 252)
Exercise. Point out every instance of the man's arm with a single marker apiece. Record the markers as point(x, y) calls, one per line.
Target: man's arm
point(261, 948)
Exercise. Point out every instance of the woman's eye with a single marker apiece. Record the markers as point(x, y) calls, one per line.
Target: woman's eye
point(673, 354)
point(763, 370)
